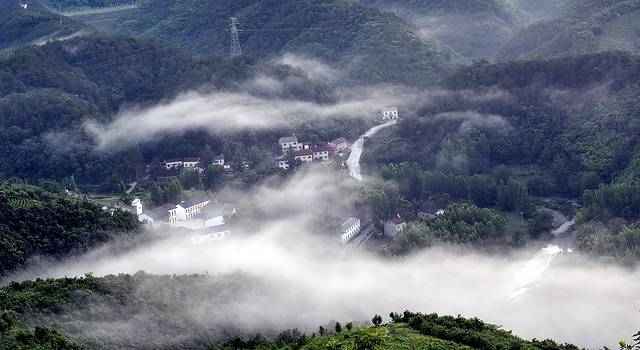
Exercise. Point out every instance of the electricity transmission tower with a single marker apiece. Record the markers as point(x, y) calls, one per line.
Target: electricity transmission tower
point(236, 50)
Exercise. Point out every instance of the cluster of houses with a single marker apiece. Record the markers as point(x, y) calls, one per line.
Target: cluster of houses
point(196, 163)
point(307, 152)
point(208, 219)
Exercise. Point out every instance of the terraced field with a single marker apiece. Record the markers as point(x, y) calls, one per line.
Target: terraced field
point(101, 18)
point(622, 34)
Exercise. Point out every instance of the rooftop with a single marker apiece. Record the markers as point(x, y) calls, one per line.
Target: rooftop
point(192, 159)
point(213, 210)
point(429, 209)
point(304, 152)
point(220, 157)
point(348, 223)
point(397, 220)
point(174, 160)
point(289, 139)
point(338, 141)
point(191, 202)
point(390, 109)
point(160, 211)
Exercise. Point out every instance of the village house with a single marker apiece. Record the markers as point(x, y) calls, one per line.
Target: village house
point(349, 229)
point(389, 114)
point(394, 226)
point(218, 214)
point(172, 163)
point(191, 162)
point(429, 211)
point(321, 153)
point(219, 160)
point(304, 155)
point(339, 145)
point(289, 142)
point(165, 214)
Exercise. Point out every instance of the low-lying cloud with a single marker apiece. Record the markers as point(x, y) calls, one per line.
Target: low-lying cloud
point(303, 277)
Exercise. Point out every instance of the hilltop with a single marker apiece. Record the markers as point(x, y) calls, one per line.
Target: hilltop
point(474, 29)
point(368, 44)
point(582, 27)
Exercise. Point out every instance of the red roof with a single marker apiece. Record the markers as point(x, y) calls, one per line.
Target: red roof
point(397, 220)
point(304, 152)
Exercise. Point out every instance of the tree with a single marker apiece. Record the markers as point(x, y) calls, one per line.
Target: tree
point(539, 222)
point(173, 192)
point(157, 195)
point(322, 331)
point(376, 320)
point(349, 326)
point(213, 177)
point(338, 327)
point(156, 168)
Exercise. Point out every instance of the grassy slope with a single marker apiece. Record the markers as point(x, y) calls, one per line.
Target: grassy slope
point(369, 44)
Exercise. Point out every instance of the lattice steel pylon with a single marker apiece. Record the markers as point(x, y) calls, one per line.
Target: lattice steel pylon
point(236, 50)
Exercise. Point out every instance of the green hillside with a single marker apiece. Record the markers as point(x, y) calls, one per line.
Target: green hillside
point(35, 222)
point(474, 29)
point(584, 27)
point(91, 311)
point(368, 44)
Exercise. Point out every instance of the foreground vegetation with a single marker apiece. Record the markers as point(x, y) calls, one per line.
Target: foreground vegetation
point(73, 302)
point(40, 223)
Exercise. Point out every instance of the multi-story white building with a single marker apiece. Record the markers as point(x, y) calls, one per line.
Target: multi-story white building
point(304, 155)
point(349, 229)
point(390, 113)
point(190, 208)
point(321, 153)
point(290, 142)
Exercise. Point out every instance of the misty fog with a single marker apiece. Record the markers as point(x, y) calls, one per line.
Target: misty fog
point(303, 277)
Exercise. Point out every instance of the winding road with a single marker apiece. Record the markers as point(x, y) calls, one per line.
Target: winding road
point(353, 163)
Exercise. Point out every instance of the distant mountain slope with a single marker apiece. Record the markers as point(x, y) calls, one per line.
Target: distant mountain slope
point(584, 27)
point(20, 26)
point(371, 46)
point(474, 29)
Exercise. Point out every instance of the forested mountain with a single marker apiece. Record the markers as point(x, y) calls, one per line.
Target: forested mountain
point(20, 26)
point(474, 29)
point(47, 92)
point(582, 27)
point(565, 125)
point(370, 45)
point(96, 311)
point(40, 223)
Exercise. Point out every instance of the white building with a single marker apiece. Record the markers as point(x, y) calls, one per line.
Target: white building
point(349, 229)
point(339, 144)
point(304, 155)
point(191, 162)
point(219, 160)
point(290, 142)
point(164, 214)
point(394, 226)
point(390, 113)
point(216, 236)
point(321, 153)
point(173, 163)
point(190, 208)
point(218, 214)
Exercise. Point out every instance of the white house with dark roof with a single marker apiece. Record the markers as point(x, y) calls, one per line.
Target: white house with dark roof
point(321, 153)
point(390, 113)
point(191, 162)
point(219, 160)
point(349, 229)
point(173, 163)
point(394, 226)
point(163, 214)
point(304, 155)
point(288, 142)
point(190, 208)
point(282, 162)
